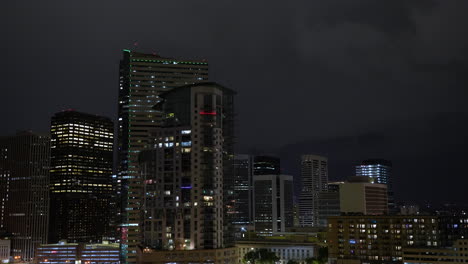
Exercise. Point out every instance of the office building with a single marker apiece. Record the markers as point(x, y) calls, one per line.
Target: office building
point(24, 181)
point(80, 177)
point(314, 177)
point(187, 175)
point(63, 253)
point(243, 212)
point(358, 195)
point(142, 78)
point(245, 168)
point(382, 239)
point(380, 171)
point(273, 203)
point(440, 255)
point(329, 203)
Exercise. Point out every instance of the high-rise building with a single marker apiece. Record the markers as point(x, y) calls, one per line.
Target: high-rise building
point(242, 214)
point(24, 181)
point(80, 177)
point(314, 176)
point(380, 171)
point(329, 203)
point(359, 195)
point(273, 203)
point(245, 168)
point(142, 78)
point(187, 174)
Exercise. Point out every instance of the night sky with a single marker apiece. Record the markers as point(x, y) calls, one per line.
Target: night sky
point(347, 79)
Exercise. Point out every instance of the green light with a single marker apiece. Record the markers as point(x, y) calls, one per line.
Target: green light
point(126, 50)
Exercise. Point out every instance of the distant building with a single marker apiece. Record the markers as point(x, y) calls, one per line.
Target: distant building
point(63, 253)
point(409, 209)
point(358, 195)
point(81, 177)
point(273, 203)
point(245, 168)
point(24, 181)
point(329, 203)
point(382, 239)
point(286, 250)
point(141, 80)
point(380, 171)
point(243, 210)
point(314, 177)
point(458, 253)
point(266, 165)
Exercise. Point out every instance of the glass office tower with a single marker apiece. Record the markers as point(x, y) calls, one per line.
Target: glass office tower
point(81, 190)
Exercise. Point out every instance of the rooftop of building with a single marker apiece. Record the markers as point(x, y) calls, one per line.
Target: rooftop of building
point(155, 56)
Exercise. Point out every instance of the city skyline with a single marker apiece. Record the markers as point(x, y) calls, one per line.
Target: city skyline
point(389, 76)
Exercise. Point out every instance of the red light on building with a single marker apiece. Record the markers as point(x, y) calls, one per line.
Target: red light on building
point(207, 113)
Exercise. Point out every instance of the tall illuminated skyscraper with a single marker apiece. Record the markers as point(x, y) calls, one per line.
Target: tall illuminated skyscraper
point(314, 176)
point(380, 171)
point(80, 177)
point(187, 174)
point(142, 78)
point(24, 195)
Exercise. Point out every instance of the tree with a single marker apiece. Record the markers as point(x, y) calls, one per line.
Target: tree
point(260, 256)
point(292, 262)
point(322, 257)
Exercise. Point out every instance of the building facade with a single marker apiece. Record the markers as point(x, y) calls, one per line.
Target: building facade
point(380, 171)
point(142, 78)
point(243, 210)
point(382, 239)
point(314, 176)
point(458, 253)
point(81, 187)
point(246, 167)
point(24, 181)
point(358, 195)
point(63, 253)
point(272, 203)
point(329, 203)
point(188, 173)
point(286, 250)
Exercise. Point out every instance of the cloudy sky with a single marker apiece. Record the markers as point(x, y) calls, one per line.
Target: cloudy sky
point(304, 70)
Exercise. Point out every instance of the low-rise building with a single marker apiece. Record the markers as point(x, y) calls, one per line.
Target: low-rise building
point(196, 256)
point(441, 255)
point(381, 239)
point(64, 253)
point(286, 250)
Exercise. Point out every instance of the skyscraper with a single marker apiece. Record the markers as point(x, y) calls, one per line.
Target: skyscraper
point(185, 173)
point(142, 78)
point(242, 211)
point(80, 177)
point(314, 176)
point(24, 180)
point(273, 203)
point(380, 171)
point(245, 168)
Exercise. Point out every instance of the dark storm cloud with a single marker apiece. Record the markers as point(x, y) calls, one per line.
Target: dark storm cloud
point(303, 69)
